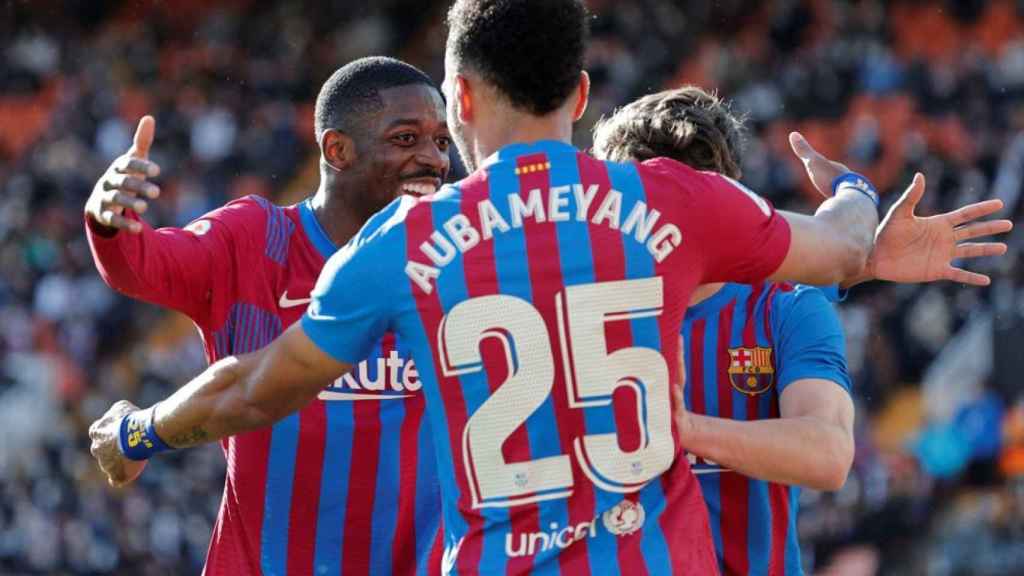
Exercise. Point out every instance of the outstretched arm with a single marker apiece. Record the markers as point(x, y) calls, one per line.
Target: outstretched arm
point(236, 394)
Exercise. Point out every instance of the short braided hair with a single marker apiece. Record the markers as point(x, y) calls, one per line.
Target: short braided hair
point(687, 124)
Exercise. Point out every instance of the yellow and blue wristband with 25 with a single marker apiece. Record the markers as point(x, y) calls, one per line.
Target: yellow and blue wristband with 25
point(138, 438)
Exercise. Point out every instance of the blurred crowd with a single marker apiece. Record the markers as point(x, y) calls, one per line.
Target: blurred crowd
point(888, 87)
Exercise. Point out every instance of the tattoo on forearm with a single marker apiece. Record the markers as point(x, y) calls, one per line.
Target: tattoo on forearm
point(194, 436)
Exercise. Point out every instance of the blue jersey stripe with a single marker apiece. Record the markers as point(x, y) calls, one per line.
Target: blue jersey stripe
point(385, 500)
point(794, 565)
point(759, 515)
point(646, 334)
point(280, 471)
point(709, 482)
point(337, 465)
point(428, 505)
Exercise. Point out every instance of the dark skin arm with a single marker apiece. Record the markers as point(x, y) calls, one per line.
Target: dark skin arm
point(234, 395)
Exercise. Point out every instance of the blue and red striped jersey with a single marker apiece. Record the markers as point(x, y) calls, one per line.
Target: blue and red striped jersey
point(542, 299)
point(745, 345)
point(348, 485)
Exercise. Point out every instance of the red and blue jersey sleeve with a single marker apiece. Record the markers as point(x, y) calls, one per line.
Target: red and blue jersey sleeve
point(739, 235)
point(353, 301)
point(193, 269)
point(808, 338)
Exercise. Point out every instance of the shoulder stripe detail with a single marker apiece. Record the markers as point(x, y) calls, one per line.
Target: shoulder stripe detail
point(279, 230)
point(248, 328)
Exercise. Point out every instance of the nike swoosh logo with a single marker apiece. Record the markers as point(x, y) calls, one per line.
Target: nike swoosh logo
point(286, 302)
point(330, 395)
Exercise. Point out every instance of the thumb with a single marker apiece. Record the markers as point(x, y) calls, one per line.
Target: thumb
point(907, 203)
point(143, 137)
point(801, 147)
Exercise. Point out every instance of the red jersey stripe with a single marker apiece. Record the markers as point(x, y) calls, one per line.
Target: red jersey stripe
point(309, 462)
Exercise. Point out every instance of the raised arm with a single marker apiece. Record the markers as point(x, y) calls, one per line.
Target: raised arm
point(237, 394)
point(169, 267)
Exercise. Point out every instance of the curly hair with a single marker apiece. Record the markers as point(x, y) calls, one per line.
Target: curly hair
point(686, 124)
point(354, 90)
point(530, 50)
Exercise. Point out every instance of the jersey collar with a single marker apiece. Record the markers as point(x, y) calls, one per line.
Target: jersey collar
point(314, 231)
point(510, 151)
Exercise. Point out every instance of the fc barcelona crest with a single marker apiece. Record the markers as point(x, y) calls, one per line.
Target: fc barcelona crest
point(751, 370)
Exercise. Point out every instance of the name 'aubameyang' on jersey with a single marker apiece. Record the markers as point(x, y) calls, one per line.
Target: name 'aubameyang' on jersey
point(543, 314)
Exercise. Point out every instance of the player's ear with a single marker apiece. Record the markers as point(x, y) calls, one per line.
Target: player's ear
point(337, 149)
point(582, 96)
point(463, 94)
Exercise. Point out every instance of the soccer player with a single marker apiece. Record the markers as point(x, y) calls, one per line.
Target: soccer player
point(348, 485)
point(542, 298)
point(767, 387)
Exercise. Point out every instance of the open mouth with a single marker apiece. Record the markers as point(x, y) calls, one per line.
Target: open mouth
point(419, 188)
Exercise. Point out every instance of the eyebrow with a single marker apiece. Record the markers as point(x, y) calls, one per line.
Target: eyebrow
point(403, 121)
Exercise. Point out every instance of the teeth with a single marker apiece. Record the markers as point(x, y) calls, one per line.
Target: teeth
point(419, 189)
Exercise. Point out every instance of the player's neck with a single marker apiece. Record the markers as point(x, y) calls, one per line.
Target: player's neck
point(703, 292)
point(519, 127)
point(335, 217)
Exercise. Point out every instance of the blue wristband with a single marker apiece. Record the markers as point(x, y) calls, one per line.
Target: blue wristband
point(854, 181)
point(138, 438)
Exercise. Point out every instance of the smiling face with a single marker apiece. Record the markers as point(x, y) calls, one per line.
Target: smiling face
point(401, 148)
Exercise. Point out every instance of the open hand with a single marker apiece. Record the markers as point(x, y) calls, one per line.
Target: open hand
point(910, 248)
point(124, 185)
point(105, 436)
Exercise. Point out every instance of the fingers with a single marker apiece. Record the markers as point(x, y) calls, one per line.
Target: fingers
point(143, 137)
point(114, 220)
point(131, 184)
point(128, 164)
point(979, 229)
point(964, 277)
point(979, 249)
point(910, 198)
point(801, 147)
point(974, 211)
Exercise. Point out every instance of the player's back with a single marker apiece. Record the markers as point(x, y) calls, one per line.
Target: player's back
point(542, 298)
point(547, 309)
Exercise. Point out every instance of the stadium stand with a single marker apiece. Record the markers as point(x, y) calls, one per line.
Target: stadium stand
point(888, 87)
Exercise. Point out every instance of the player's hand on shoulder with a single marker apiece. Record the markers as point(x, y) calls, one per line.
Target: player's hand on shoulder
point(105, 448)
point(820, 169)
point(911, 248)
point(125, 184)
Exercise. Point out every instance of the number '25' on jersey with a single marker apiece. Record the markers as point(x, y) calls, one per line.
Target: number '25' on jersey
point(542, 299)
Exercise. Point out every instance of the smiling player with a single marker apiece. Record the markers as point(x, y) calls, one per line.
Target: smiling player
point(348, 485)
